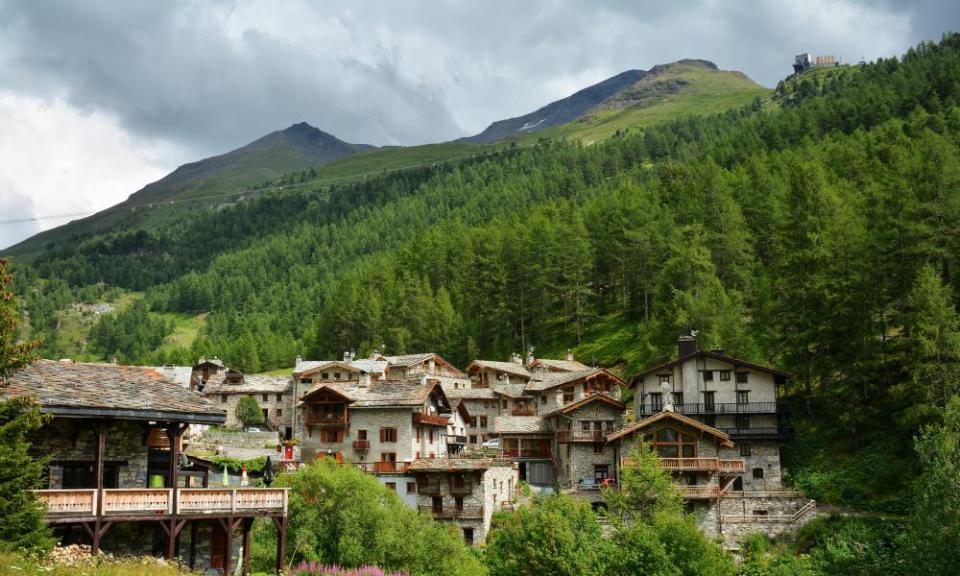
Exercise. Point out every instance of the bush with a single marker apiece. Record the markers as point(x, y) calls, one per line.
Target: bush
point(248, 411)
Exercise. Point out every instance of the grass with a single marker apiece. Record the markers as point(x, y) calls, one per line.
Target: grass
point(185, 329)
point(75, 326)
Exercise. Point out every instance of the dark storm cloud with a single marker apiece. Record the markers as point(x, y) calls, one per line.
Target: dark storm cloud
point(211, 76)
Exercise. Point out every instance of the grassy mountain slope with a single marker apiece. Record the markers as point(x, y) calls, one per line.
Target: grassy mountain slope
point(298, 147)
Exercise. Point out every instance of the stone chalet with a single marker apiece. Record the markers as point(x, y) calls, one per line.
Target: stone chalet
point(115, 445)
point(274, 394)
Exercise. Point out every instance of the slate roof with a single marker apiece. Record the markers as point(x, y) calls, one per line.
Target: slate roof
point(598, 397)
point(509, 367)
point(455, 464)
point(559, 365)
point(408, 359)
point(520, 425)
point(179, 374)
point(252, 384)
point(399, 393)
point(108, 390)
point(509, 390)
point(722, 437)
point(547, 380)
point(468, 393)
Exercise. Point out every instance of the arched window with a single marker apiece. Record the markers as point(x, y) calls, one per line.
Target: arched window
point(669, 443)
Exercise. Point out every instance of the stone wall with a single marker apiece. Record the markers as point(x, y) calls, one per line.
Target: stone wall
point(279, 413)
point(770, 513)
point(239, 439)
point(75, 440)
point(765, 455)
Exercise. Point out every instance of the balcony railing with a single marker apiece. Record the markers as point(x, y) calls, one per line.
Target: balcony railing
point(361, 445)
point(329, 419)
point(523, 411)
point(429, 488)
point(566, 436)
point(533, 453)
point(453, 512)
point(771, 433)
point(702, 464)
point(464, 489)
point(721, 408)
point(700, 492)
point(384, 467)
point(456, 439)
point(115, 502)
point(430, 419)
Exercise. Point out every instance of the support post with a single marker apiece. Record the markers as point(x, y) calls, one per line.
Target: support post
point(228, 554)
point(245, 562)
point(281, 524)
point(193, 544)
point(101, 431)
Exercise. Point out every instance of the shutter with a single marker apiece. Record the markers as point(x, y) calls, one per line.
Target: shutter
point(381, 435)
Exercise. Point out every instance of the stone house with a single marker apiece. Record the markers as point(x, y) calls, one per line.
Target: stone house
point(117, 478)
point(274, 395)
point(465, 492)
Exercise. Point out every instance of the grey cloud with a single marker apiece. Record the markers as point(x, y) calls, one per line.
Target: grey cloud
point(212, 76)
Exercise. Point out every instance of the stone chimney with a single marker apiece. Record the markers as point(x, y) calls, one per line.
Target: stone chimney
point(686, 345)
point(516, 359)
point(569, 356)
point(530, 357)
point(348, 356)
point(298, 361)
point(364, 380)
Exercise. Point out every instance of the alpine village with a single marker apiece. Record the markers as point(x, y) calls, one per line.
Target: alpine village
point(676, 324)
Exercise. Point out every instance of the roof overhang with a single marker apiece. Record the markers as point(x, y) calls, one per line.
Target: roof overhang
point(129, 414)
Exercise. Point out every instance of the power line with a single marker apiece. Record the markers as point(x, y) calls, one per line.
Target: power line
point(265, 189)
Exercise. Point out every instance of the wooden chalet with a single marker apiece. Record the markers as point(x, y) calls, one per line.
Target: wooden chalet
point(114, 443)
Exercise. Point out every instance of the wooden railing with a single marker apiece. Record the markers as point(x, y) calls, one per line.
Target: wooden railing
point(702, 464)
point(453, 512)
point(361, 444)
point(700, 492)
point(523, 411)
point(464, 489)
point(328, 419)
point(773, 433)
point(566, 436)
point(159, 501)
point(430, 419)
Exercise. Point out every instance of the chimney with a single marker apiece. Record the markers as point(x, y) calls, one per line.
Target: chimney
point(348, 356)
point(569, 356)
point(530, 357)
point(686, 345)
point(364, 380)
point(113, 360)
point(423, 379)
point(299, 360)
point(516, 359)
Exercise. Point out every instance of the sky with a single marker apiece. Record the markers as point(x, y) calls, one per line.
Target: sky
point(99, 98)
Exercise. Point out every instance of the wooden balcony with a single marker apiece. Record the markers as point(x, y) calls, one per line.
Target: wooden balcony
point(430, 419)
point(703, 465)
point(361, 445)
point(74, 505)
point(328, 419)
point(531, 453)
point(700, 492)
point(568, 436)
point(453, 512)
point(464, 489)
point(523, 411)
point(767, 433)
point(456, 439)
point(384, 467)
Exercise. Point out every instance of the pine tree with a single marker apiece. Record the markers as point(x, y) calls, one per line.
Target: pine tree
point(21, 515)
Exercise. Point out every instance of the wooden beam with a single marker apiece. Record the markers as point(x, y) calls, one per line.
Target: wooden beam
point(245, 561)
point(193, 545)
point(281, 523)
point(228, 554)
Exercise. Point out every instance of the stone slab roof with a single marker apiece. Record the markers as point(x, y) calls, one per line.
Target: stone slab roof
point(368, 365)
point(559, 365)
point(179, 374)
point(520, 425)
point(598, 397)
point(408, 359)
point(252, 384)
point(546, 380)
point(508, 367)
point(109, 391)
point(399, 393)
point(456, 464)
point(468, 393)
point(721, 437)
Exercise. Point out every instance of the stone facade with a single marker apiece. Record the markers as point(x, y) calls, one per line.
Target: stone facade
point(741, 514)
point(762, 455)
point(278, 407)
point(73, 443)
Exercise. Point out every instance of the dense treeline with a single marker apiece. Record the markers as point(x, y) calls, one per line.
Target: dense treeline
point(817, 231)
point(129, 335)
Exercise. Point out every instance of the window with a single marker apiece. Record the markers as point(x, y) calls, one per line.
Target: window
point(543, 399)
point(598, 447)
point(568, 395)
point(742, 377)
point(325, 375)
point(758, 473)
point(431, 436)
point(388, 456)
point(760, 512)
point(411, 487)
point(388, 434)
point(279, 398)
point(710, 420)
point(738, 484)
point(361, 434)
point(678, 398)
point(668, 443)
point(709, 401)
point(279, 412)
point(458, 503)
point(664, 378)
point(468, 536)
point(601, 473)
point(264, 397)
point(418, 433)
point(223, 398)
point(708, 375)
point(505, 404)
point(392, 486)
point(743, 396)
point(483, 421)
point(745, 450)
point(306, 380)
point(656, 401)
point(336, 375)
point(473, 439)
point(724, 375)
point(741, 421)
point(330, 435)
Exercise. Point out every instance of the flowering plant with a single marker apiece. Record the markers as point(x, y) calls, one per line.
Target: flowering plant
point(318, 569)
